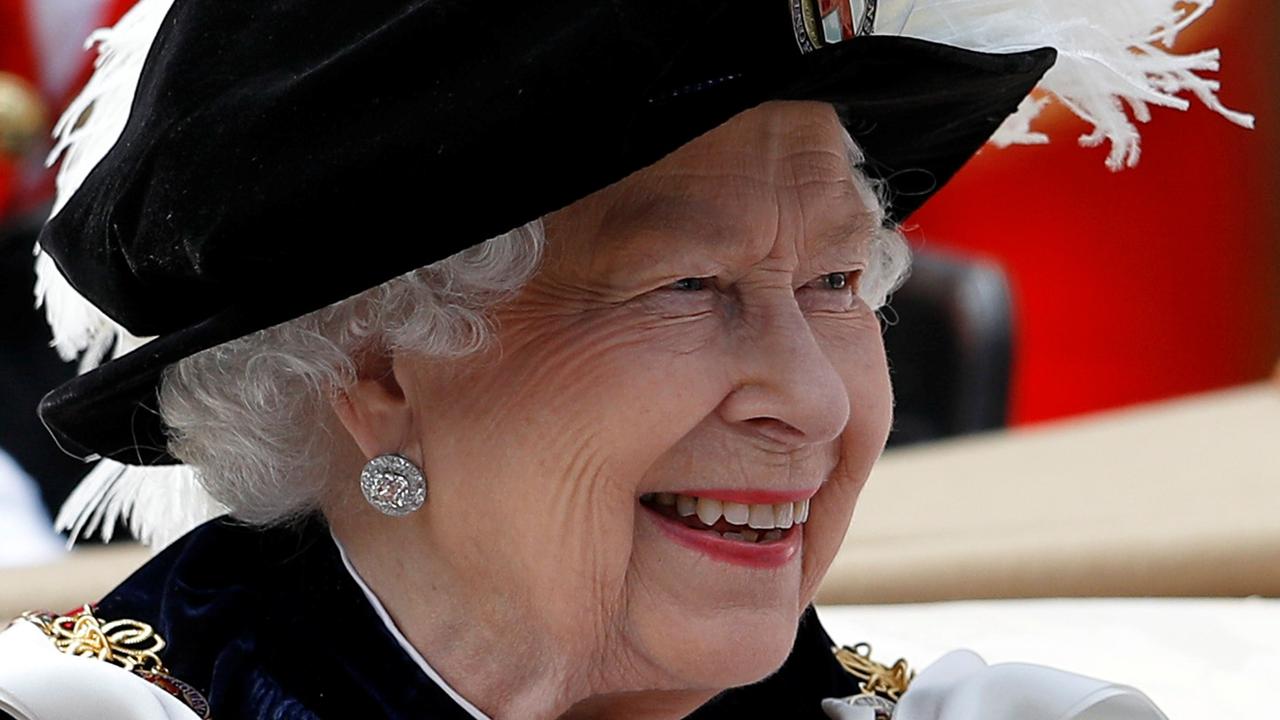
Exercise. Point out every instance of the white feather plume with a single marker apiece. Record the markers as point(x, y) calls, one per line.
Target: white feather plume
point(80, 329)
point(158, 503)
point(1114, 59)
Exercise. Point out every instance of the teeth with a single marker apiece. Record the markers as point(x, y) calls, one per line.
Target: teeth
point(744, 536)
point(773, 535)
point(782, 517)
point(686, 505)
point(756, 517)
point(736, 513)
point(761, 517)
point(709, 511)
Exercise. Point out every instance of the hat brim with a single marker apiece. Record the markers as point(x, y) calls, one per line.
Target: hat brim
point(919, 110)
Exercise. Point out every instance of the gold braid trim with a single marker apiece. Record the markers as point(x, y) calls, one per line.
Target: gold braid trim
point(884, 681)
point(128, 644)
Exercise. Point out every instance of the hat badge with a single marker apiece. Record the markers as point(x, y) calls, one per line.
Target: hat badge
point(819, 23)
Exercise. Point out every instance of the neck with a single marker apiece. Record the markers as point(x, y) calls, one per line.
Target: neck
point(491, 655)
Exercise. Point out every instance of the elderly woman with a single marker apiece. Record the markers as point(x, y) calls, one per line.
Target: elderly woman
point(592, 467)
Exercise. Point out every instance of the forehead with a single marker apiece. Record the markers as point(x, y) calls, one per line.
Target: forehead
point(778, 163)
point(787, 142)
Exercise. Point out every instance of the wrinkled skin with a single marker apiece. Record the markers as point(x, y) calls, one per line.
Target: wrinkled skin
point(532, 579)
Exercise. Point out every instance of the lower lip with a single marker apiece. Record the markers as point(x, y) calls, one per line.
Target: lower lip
point(756, 555)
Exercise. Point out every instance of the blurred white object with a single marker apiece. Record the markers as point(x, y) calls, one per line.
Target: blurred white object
point(962, 686)
point(26, 533)
point(1193, 658)
point(57, 27)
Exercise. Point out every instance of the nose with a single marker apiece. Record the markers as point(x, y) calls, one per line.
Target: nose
point(786, 388)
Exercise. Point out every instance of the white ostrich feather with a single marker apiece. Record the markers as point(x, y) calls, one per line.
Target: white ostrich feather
point(158, 503)
point(80, 329)
point(1114, 59)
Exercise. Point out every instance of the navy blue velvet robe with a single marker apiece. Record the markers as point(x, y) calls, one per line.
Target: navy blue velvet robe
point(269, 624)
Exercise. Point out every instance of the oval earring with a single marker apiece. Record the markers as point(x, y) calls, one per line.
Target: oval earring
point(393, 484)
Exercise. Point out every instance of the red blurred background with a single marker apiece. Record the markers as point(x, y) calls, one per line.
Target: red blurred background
point(1149, 283)
point(1128, 287)
point(41, 41)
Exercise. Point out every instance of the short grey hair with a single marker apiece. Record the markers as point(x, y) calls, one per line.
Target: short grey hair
point(251, 416)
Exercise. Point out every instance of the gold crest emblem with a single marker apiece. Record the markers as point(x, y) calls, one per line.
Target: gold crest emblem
point(819, 23)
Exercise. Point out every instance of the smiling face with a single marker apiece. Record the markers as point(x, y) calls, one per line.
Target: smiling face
point(693, 332)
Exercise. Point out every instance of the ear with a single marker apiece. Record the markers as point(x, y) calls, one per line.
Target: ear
point(375, 410)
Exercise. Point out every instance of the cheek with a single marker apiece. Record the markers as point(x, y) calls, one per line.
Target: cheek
point(603, 383)
point(632, 383)
point(545, 442)
point(858, 355)
point(871, 398)
point(855, 348)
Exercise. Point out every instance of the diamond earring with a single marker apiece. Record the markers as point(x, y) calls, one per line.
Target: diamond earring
point(393, 485)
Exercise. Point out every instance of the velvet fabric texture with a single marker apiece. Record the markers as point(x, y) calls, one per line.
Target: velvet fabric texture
point(280, 157)
point(269, 624)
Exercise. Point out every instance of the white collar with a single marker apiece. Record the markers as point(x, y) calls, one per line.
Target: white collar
point(409, 650)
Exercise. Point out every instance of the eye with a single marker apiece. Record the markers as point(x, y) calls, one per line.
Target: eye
point(836, 281)
point(846, 280)
point(691, 284)
point(835, 292)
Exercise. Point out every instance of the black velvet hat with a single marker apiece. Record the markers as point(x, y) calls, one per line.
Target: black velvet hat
point(282, 155)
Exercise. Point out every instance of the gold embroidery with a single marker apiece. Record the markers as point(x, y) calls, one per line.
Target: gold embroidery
point(128, 644)
point(874, 678)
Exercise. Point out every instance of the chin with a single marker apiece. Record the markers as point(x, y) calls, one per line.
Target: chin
point(720, 647)
point(732, 647)
point(708, 622)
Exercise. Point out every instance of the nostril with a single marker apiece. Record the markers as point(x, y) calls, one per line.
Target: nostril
point(775, 429)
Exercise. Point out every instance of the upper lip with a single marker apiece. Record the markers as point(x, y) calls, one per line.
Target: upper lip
point(750, 496)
